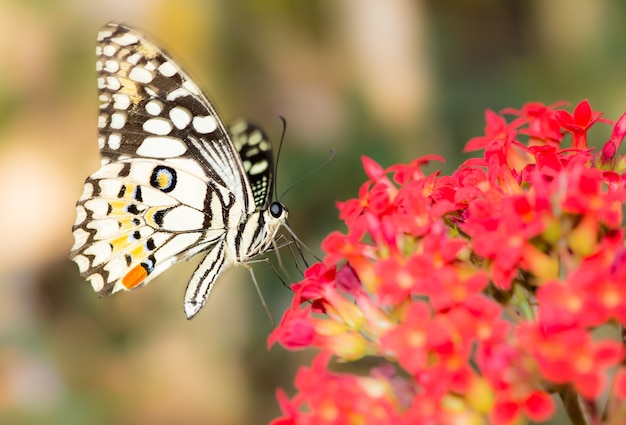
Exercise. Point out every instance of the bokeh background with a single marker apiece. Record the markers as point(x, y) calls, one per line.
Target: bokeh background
point(389, 79)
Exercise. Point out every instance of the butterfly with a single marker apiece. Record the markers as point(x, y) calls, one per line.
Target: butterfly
point(173, 181)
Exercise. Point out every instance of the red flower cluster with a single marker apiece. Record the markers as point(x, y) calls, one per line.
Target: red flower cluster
point(480, 292)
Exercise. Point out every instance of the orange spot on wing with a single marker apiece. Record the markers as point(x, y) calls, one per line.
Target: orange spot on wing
point(134, 277)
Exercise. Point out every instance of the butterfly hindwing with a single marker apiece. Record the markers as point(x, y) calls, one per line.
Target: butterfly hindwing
point(140, 218)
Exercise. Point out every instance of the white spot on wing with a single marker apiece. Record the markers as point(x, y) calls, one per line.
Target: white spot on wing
point(161, 147)
point(100, 250)
point(134, 58)
point(125, 39)
point(167, 69)
point(118, 120)
point(113, 83)
point(154, 107)
point(98, 207)
point(80, 239)
point(158, 126)
point(121, 101)
point(140, 75)
point(258, 167)
point(116, 267)
point(181, 117)
point(102, 121)
point(115, 140)
point(81, 214)
point(111, 66)
point(87, 191)
point(104, 34)
point(204, 125)
point(109, 188)
point(104, 227)
point(265, 146)
point(83, 263)
point(179, 92)
point(97, 283)
point(255, 138)
point(109, 50)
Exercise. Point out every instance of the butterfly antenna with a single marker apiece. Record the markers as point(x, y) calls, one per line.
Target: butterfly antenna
point(310, 173)
point(280, 148)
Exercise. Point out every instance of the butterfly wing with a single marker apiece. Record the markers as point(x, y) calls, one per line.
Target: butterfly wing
point(151, 109)
point(257, 157)
point(171, 182)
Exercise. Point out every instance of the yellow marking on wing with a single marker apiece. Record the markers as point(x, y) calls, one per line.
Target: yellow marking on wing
point(139, 252)
point(121, 243)
point(126, 221)
point(129, 191)
point(163, 180)
point(125, 242)
point(149, 216)
point(118, 207)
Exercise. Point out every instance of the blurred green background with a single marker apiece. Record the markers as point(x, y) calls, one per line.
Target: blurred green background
point(389, 79)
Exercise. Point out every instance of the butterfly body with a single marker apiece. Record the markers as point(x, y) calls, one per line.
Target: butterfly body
point(173, 181)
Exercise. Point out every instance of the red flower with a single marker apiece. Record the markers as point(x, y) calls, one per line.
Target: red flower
point(496, 129)
point(570, 356)
point(543, 127)
point(429, 264)
point(579, 122)
point(339, 399)
point(294, 330)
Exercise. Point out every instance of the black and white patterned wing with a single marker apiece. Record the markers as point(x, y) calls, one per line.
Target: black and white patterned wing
point(171, 184)
point(257, 157)
point(149, 108)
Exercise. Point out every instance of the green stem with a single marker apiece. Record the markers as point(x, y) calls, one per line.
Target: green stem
point(580, 410)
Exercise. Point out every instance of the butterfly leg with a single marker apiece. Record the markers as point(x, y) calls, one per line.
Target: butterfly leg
point(201, 282)
point(258, 290)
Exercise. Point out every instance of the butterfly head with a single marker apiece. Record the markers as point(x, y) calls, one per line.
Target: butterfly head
point(273, 218)
point(278, 211)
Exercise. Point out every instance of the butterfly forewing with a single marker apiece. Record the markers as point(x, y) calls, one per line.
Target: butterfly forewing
point(150, 108)
point(172, 182)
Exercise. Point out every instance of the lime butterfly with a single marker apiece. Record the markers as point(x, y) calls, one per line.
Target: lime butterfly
point(173, 181)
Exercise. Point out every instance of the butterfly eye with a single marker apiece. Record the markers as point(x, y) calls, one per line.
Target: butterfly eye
point(276, 209)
